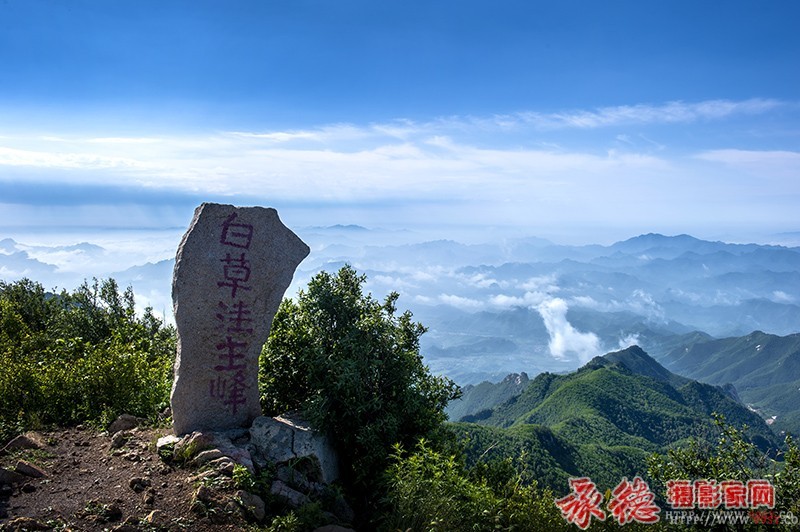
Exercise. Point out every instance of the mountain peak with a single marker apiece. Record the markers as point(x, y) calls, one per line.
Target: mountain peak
point(516, 378)
point(656, 239)
point(637, 361)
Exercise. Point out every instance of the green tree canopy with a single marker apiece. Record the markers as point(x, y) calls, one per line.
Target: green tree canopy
point(352, 366)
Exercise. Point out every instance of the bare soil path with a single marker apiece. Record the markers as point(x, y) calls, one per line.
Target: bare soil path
point(93, 481)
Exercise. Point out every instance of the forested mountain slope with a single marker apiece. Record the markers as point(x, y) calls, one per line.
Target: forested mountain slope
point(764, 369)
point(605, 418)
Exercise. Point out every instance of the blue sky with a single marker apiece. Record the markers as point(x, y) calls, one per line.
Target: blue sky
point(582, 120)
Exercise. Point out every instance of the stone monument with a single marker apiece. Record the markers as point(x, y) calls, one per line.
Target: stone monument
point(231, 271)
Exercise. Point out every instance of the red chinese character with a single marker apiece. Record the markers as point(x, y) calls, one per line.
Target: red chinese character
point(231, 354)
point(734, 494)
point(680, 494)
point(633, 501)
point(236, 235)
point(707, 494)
point(761, 493)
point(237, 272)
point(236, 316)
point(236, 390)
point(217, 387)
point(584, 502)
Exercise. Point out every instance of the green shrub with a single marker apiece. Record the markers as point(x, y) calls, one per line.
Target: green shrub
point(79, 357)
point(429, 490)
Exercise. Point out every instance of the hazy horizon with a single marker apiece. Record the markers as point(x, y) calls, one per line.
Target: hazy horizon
point(494, 306)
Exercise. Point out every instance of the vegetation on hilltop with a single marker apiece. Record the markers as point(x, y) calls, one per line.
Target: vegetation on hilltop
point(624, 398)
point(78, 357)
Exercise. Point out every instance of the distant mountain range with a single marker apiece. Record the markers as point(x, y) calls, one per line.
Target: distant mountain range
point(602, 420)
point(506, 305)
point(644, 290)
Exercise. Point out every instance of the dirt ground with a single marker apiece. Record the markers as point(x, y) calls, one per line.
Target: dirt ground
point(90, 484)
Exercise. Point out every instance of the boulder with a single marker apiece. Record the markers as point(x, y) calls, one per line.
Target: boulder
point(123, 422)
point(279, 440)
point(290, 496)
point(29, 470)
point(29, 440)
point(254, 504)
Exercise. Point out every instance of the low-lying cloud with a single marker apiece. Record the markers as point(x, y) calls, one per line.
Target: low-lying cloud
point(565, 340)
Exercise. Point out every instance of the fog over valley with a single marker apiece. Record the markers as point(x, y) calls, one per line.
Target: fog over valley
point(492, 307)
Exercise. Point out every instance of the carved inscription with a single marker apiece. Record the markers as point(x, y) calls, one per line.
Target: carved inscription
point(231, 271)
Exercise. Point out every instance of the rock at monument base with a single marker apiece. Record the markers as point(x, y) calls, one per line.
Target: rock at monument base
point(298, 463)
point(279, 440)
point(231, 271)
point(201, 448)
point(290, 496)
point(253, 504)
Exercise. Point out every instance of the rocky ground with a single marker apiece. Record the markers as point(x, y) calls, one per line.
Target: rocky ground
point(82, 479)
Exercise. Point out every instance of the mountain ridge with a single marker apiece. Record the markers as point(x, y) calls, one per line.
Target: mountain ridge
point(626, 396)
point(764, 368)
point(604, 419)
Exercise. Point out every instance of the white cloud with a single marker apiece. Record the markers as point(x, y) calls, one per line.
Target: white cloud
point(565, 340)
point(388, 282)
point(529, 299)
point(278, 136)
point(498, 170)
point(669, 113)
point(240, 164)
point(459, 302)
point(537, 289)
point(644, 303)
point(767, 163)
point(639, 301)
point(546, 283)
point(45, 159)
point(586, 302)
point(779, 296)
point(628, 341)
point(481, 280)
point(122, 140)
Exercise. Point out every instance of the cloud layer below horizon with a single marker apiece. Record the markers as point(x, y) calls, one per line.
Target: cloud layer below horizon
point(623, 166)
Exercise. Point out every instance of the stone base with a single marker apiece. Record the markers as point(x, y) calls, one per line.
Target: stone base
point(303, 461)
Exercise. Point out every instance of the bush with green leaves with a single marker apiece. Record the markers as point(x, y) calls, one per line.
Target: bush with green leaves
point(430, 490)
point(352, 365)
point(78, 357)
